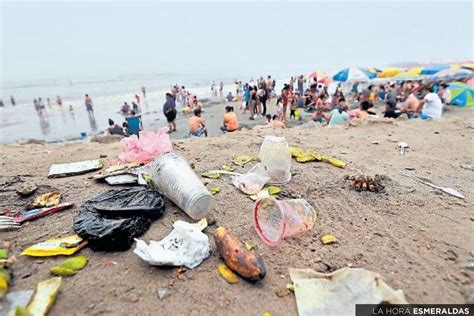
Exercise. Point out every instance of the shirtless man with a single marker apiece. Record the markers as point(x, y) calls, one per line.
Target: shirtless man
point(410, 106)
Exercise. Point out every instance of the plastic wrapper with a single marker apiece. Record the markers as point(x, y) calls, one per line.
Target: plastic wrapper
point(111, 220)
point(251, 182)
point(45, 296)
point(66, 245)
point(146, 148)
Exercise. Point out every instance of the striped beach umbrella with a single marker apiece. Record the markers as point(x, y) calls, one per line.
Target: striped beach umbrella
point(461, 94)
point(389, 72)
point(431, 70)
point(318, 74)
point(353, 74)
point(452, 74)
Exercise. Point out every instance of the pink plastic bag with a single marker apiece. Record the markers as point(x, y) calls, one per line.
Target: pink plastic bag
point(146, 148)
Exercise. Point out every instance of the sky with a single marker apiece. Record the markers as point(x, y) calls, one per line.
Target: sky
point(103, 39)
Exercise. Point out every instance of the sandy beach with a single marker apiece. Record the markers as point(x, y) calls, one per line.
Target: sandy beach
point(417, 238)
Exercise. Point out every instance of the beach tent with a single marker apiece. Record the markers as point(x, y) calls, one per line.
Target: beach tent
point(461, 94)
point(353, 74)
point(452, 74)
point(431, 70)
point(389, 72)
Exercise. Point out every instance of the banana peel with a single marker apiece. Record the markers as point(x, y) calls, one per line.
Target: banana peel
point(242, 160)
point(45, 296)
point(4, 281)
point(70, 266)
point(227, 273)
point(308, 155)
point(214, 190)
point(211, 175)
point(268, 191)
point(227, 168)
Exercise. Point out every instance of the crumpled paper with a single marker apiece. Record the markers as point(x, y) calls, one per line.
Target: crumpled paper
point(185, 246)
point(337, 293)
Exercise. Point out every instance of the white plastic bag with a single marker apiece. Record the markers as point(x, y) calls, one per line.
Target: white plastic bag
point(185, 246)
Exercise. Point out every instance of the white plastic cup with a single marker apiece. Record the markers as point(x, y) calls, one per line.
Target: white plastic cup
point(275, 157)
point(175, 178)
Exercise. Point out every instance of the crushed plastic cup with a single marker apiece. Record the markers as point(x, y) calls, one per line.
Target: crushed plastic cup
point(277, 219)
point(175, 178)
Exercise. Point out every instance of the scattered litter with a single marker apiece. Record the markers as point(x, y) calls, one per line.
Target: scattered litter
point(427, 182)
point(113, 218)
point(227, 273)
point(282, 292)
point(5, 278)
point(120, 167)
point(278, 219)
point(268, 191)
point(14, 300)
point(67, 245)
point(74, 168)
point(4, 250)
point(242, 160)
point(70, 266)
point(122, 179)
point(247, 264)
point(275, 158)
point(249, 246)
point(328, 239)
point(185, 246)
point(310, 155)
point(228, 168)
point(45, 200)
point(174, 177)
point(337, 293)
point(40, 212)
point(45, 296)
point(146, 148)
point(252, 181)
point(366, 183)
point(162, 293)
point(211, 175)
point(375, 142)
point(8, 223)
point(402, 146)
point(214, 190)
point(468, 167)
point(26, 189)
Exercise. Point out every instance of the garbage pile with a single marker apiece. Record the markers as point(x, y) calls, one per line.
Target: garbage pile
point(153, 172)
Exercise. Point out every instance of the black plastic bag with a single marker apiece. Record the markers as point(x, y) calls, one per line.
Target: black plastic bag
point(111, 220)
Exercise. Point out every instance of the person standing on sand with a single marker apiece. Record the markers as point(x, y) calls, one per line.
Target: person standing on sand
point(59, 101)
point(12, 100)
point(300, 84)
point(89, 104)
point(169, 110)
point(285, 96)
point(143, 91)
point(137, 97)
point(221, 89)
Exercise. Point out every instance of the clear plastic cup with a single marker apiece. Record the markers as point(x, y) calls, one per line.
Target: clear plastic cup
point(277, 219)
point(175, 178)
point(275, 158)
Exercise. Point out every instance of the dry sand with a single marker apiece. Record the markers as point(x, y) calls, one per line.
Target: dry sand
point(417, 238)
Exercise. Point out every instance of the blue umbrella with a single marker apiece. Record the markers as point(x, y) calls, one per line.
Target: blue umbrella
point(351, 74)
point(434, 69)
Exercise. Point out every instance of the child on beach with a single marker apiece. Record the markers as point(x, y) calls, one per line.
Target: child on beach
point(293, 107)
point(279, 106)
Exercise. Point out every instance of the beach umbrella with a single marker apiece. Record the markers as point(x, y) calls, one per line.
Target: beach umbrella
point(461, 94)
point(353, 74)
point(318, 74)
point(469, 66)
point(452, 74)
point(389, 72)
point(431, 70)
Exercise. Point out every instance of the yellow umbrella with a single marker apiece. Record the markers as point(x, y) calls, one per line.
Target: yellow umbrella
point(468, 66)
point(389, 72)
